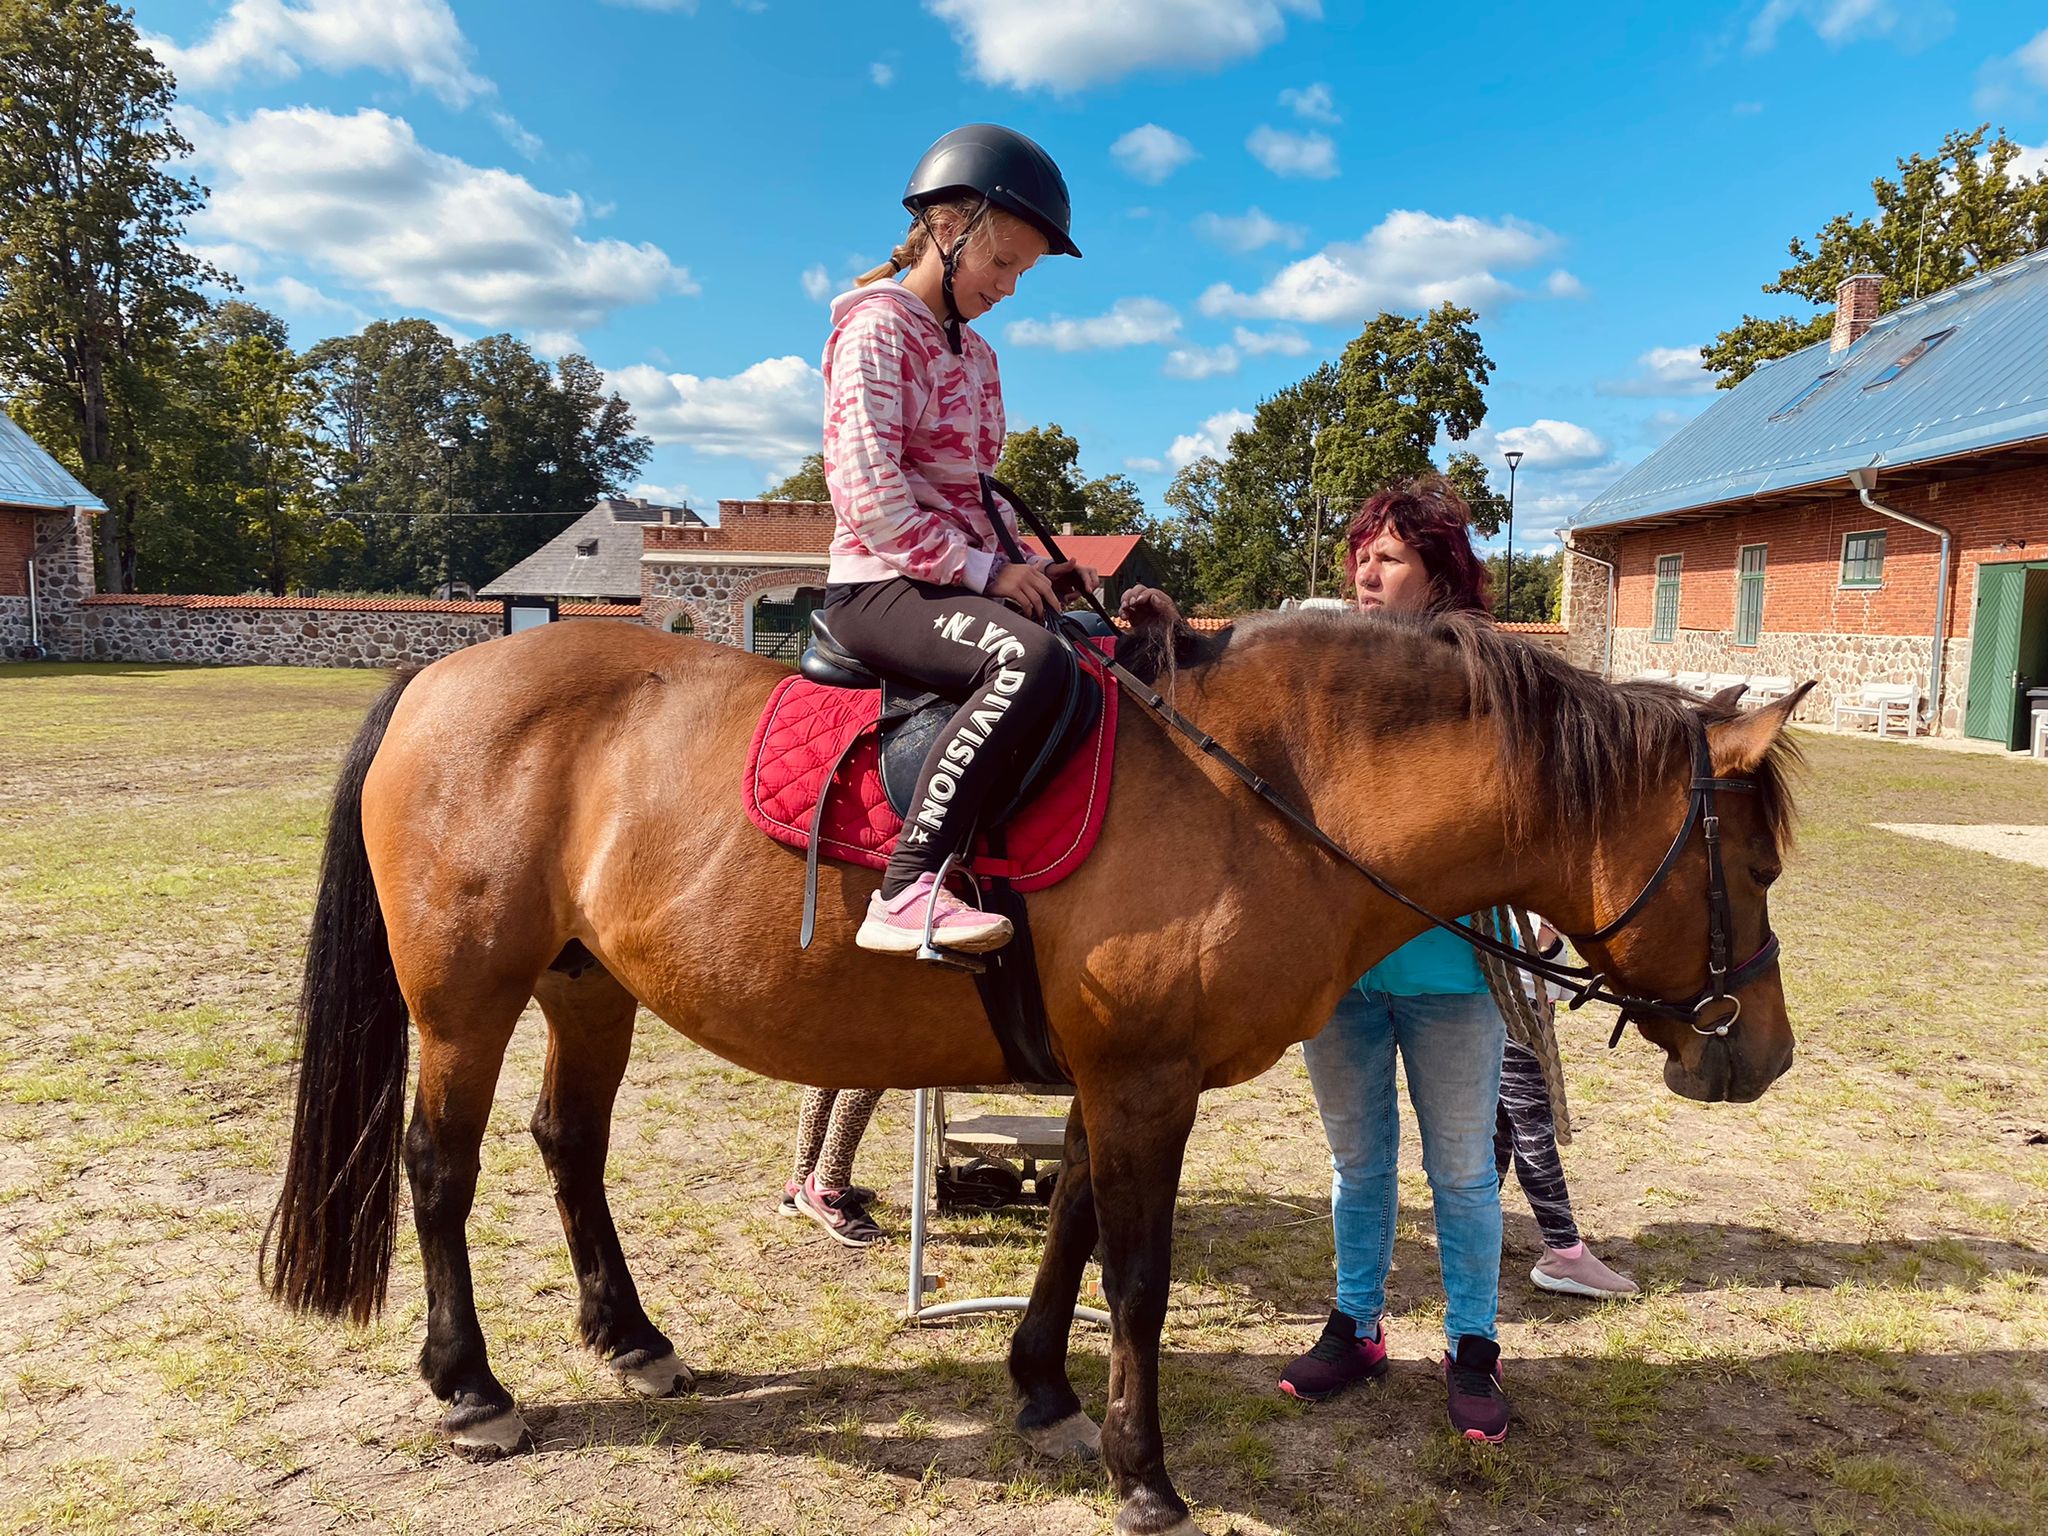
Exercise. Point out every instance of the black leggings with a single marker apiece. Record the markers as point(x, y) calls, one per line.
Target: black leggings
point(965, 646)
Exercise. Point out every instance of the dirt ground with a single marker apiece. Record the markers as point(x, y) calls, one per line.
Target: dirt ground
point(1846, 1284)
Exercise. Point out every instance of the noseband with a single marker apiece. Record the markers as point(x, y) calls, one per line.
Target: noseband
point(1712, 1010)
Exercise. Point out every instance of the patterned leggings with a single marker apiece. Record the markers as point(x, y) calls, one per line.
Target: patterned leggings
point(828, 1132)
point(1524, 1134)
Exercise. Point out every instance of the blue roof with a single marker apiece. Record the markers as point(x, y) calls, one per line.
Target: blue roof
point(29, 477)
point(1983, 387)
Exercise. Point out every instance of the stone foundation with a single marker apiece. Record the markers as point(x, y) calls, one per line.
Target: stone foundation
point(296, 632)
point(1841, 663)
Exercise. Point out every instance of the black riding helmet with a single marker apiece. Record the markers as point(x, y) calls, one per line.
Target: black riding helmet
point(1005, 170)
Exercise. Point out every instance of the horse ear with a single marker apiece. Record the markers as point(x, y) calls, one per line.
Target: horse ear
point(1728, 697)
point(1739, 745)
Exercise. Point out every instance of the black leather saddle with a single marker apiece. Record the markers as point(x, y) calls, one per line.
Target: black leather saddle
point(912, 717)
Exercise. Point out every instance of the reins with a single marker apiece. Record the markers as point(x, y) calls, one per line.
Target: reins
point(1713, 1010)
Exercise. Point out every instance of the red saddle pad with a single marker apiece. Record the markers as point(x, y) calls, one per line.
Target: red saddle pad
point(806, 726)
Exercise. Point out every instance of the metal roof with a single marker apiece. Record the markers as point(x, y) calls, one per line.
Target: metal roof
point(1984, 387)
point(596, 556)
point(29, 477)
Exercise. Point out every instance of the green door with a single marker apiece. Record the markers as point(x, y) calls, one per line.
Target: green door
point(783, 630)
point(2008, 651)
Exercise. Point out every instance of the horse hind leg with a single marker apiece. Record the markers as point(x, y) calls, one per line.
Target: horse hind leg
point(1050, 1416)
point(463, 1036)
point(590, 1036)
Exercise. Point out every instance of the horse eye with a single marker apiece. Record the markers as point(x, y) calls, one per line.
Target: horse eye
point(1764, 876)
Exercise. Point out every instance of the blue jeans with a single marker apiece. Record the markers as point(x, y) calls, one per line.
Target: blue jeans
point(1451, 1044)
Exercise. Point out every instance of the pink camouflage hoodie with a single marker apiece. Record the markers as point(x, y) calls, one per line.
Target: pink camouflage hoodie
point(909, 429)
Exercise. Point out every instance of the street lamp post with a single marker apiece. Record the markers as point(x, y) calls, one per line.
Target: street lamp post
point(449, 448)
point(1507, 602)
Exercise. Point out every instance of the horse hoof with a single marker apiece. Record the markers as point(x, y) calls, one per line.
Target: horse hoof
point(487, 1436)
point(1076, 1436)
point(1186, 1527)
point(651, 1375)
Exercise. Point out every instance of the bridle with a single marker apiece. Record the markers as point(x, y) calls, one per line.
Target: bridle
point(1711, 1011)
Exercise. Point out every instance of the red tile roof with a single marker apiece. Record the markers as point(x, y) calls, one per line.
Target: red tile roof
point(1103, 551)
point(352, 604)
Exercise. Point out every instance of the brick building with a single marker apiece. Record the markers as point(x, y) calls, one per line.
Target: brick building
point(46, 569)
point(1871, 509)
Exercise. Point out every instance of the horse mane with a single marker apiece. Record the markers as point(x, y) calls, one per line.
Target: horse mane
point(1571, 746)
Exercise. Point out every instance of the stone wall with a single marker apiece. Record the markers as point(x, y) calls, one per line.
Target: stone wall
point(713, 598)
point(1588, 597)
point(1841, 663)
point(296, 632)
point(64, 580)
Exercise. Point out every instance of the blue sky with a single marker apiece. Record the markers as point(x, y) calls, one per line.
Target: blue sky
point(674, 187)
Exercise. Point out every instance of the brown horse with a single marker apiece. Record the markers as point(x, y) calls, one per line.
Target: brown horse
point(556, 816)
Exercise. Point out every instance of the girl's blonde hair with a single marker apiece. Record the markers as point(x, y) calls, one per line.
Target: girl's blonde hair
point(918, 241)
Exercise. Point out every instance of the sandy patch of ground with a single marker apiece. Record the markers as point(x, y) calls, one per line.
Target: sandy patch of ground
point(2022, 844)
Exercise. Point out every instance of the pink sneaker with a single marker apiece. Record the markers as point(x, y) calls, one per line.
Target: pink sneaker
point(896, 927)
point(1575, 1272)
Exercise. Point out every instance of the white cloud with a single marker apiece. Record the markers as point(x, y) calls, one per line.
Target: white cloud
point(1310, 155)
point(818, 283)
point(663, 495)
point(516, 134)
point(360, 198)
point(1151, 153)
point(1912, 24)
point(1249, 231)
point(1066, 45)
point(1199, 362)
point(1312, 102)
point(2030, 162)
point(770, 412)
point(1285, 343)
point(687, 7)
point(554, 344)
point(882, 74)
point(1747, 108)
point(1544, 444)
point(2012, 82)
point(1211, 440)
point(1129, 323)
point(1663, 371)
point(1562, 285)
point(1409, 261)
point(417, 39)
point(1146, 466)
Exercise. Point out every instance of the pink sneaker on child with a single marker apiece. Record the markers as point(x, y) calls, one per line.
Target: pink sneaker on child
point(896, 926)
point(1574, 1271)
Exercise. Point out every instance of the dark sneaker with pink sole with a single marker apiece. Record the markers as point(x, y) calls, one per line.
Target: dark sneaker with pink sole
point(840, 1212)
point(1339, 1359)
point(1479, 1409)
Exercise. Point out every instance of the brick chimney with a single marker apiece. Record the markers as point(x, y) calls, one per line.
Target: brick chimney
point(1856, 301)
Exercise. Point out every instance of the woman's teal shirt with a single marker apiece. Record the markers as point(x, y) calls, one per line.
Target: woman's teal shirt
point(1433, 963)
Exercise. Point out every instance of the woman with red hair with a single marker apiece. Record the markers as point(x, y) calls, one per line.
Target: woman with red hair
point(1409, 551)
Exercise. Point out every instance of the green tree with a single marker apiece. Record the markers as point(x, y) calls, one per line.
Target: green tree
point(458, 462)
point(1539, 587)
point(95, 286)
point(1945, 216)
point(805, 483)
point(1043, 465)
point(1403, 384)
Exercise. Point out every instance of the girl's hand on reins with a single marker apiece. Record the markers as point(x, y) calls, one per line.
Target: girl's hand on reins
point(1145, 607)
point(1027, 587)
point(1072, 580)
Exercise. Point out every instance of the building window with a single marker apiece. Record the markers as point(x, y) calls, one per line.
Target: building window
point(1863, 559)
point(1913, 354)
point(1802, 397)
point(1749, 594)
point(1664, 626)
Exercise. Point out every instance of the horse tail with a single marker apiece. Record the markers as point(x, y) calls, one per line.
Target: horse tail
point(328, 1246)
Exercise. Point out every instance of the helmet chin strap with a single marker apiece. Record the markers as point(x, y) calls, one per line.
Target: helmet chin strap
point(951, 257)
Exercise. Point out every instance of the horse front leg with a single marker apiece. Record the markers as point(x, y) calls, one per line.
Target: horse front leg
point(1137, 1136)
point(1051, 1417)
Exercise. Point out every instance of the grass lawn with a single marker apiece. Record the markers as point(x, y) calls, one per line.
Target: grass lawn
point(1847, 1282)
